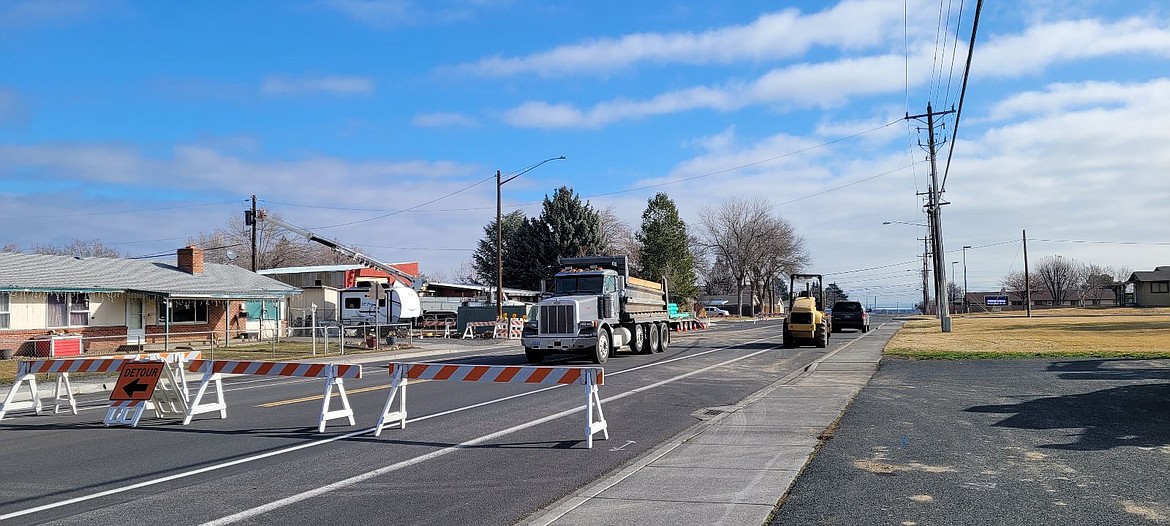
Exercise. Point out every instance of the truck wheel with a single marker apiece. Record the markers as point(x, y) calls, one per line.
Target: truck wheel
point(652, 339)
point(663, 337)
point(533, 355)
point(601, 350)
point(789, 343)
point(636, 343)
point(822, 336)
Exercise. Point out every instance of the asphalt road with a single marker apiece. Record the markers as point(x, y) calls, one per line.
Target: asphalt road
point(470, 453)
point(1006, 442)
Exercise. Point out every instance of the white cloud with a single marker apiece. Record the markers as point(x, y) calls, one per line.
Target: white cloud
point(1043, 45)
point(806, 85)
point(335, 85)
point(443, 120)
point(857, 24)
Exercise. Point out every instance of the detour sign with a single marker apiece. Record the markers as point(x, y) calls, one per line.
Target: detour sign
point(136, 380)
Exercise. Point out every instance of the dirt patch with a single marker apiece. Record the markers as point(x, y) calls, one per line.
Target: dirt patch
point(1149, 511)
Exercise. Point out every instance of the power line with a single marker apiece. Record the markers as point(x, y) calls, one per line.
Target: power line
point(603, 194)
point(962, 93)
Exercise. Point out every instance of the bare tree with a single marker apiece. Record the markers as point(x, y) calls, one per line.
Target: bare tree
point(1016, 283)
point(617, 236)
point(752, 244)
point(79, 248)
point(10, 247)
point(1059, 276)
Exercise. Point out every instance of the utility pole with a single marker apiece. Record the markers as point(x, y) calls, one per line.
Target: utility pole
point(1027, 278)
point(925, 275)
point(253, 232)
point(499, 251)
point(934, 213)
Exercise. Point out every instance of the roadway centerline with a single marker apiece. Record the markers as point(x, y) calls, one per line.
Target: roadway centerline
point(422, 458)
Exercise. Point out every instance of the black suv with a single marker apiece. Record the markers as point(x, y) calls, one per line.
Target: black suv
point(850, 315)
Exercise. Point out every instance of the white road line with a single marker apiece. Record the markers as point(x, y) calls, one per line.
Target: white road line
point(402, 464)
point(260, 510)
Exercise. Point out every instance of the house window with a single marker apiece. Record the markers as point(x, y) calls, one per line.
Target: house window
point(67, 310)
point(4, 310)
point(266, 310)
point(1160, 286)
point(184, 311)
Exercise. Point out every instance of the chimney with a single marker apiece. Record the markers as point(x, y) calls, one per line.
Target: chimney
point(191, 260)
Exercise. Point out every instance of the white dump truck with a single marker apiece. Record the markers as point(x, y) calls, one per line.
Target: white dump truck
point(595, 307)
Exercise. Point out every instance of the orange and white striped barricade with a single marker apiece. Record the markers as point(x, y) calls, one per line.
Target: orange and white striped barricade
point(213, 371)
point(469, 330)
point(401, 372)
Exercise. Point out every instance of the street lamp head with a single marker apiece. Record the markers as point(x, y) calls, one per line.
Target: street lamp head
point(966, 246)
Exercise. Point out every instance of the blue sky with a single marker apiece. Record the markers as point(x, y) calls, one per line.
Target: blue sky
point(142, 124)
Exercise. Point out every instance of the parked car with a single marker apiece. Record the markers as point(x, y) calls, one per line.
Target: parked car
point(849, 315)
point(716, 311)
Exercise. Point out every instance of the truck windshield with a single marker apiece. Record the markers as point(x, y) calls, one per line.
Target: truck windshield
point(579, 285)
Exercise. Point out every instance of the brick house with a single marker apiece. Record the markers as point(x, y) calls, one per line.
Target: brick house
point(110, 302)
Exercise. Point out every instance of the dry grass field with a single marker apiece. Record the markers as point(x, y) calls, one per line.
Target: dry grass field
point(1134, 333)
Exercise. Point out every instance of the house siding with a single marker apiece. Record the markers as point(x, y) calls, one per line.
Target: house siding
point(1145, 297)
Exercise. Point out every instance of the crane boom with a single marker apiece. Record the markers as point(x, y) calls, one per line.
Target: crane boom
point(337, 247)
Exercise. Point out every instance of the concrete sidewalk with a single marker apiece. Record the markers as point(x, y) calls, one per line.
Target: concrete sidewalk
point(735, 467)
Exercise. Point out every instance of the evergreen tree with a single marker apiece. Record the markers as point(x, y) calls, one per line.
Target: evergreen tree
point(528, 259)
point(663, 248)
point(573, 225)
point(833, 294)
point(484, 257)
point(566, 227)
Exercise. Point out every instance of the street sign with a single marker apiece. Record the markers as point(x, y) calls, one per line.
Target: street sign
point(137, 380)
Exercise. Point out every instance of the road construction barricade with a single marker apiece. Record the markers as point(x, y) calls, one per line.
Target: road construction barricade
point(469, 331)
point(688, 325)
point(213, 371)
point(401, 372)
point(508, 328)
point(174, 387)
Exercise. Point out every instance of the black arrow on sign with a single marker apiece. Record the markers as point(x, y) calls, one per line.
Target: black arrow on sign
point(134, 387)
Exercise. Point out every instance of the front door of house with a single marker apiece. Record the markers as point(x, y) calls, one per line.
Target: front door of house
point(135, 319)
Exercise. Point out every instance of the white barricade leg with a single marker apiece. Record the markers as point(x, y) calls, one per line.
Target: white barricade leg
point(195, 408)
point(125, 412)
point(169, 398)
point(10, 403)
point(468, 333)
point(592, 398)
point(344, 412)
point(397, 388)
point(63, 381)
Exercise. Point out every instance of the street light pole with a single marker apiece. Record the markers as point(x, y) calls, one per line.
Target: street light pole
point(925, 266)
point(966, 305)
point(500, 231)
point(953, 277)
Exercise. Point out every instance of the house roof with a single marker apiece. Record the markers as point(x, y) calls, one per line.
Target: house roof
point(1158, 274)
point(47, 273)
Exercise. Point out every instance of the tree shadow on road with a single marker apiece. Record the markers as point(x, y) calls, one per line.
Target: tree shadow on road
point(1133, 415)
point(1111, 369)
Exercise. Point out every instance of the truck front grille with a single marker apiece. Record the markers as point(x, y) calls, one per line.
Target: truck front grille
point(557, 319)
